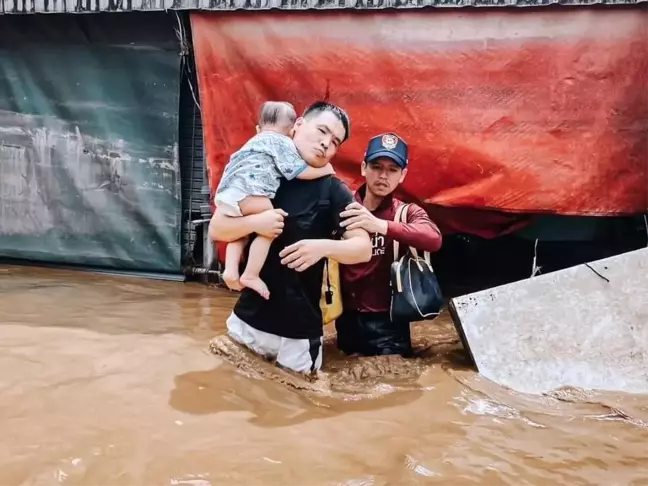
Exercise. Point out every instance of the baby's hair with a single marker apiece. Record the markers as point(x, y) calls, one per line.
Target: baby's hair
point(273, 112)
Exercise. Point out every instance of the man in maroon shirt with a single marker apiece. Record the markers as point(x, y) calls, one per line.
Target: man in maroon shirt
point(365, 326)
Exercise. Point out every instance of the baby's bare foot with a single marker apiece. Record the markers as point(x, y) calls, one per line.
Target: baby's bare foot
point(231, 279)
point(256, 284)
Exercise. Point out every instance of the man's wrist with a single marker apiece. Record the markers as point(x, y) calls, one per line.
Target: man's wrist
point(326, 248)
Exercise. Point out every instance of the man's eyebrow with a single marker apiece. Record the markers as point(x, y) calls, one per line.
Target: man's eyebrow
point(390, 164)
point(328, 130)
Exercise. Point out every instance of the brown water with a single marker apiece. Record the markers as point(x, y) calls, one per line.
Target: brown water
point(111, 381)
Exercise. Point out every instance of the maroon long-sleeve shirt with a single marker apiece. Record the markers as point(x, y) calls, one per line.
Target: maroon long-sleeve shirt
point(365, 286)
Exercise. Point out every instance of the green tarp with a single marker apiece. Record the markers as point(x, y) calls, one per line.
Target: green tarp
point(89, 170)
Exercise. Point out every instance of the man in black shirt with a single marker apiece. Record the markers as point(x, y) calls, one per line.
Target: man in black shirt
point(288, 326)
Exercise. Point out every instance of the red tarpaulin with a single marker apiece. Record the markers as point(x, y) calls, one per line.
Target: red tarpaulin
point(512, 111)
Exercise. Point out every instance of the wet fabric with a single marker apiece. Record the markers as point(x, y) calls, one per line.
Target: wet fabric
point(300, 355)
point(372, 334)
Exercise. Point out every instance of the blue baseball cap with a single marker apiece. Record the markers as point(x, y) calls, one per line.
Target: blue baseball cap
point(387, 145)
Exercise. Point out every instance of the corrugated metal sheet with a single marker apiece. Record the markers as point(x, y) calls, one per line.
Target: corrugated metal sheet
point(90, 6)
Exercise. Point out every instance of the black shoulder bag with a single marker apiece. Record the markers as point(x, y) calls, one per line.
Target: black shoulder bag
point(416, 294)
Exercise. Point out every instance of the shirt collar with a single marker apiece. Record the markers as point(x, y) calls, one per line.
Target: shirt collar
point(384, 204)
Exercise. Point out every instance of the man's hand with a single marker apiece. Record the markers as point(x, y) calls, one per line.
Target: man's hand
point(303, 254)
point(270, 223)
point(360, 217)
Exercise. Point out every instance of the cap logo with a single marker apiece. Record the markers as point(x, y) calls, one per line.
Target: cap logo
point(389, 142)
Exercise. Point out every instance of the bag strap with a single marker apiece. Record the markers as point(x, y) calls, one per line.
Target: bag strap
point(401, 217)
point(324, 194)
point(322, 205)
point(398, 218)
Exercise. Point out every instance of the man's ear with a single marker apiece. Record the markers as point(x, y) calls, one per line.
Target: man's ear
point(258, 128)
point(402, 177)
point(298, 123)
point(363, 169)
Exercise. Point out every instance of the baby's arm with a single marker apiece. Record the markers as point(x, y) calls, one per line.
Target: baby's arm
point(290, 163)
point(315, 172)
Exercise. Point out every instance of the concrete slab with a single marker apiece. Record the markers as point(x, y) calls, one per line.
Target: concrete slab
point(585, 326)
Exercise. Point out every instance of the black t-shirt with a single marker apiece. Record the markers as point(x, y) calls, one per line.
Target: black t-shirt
point(293, 311)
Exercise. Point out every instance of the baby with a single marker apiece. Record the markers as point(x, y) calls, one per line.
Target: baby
point(250, 181)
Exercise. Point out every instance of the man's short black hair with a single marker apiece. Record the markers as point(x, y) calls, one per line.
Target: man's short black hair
point(322, 106)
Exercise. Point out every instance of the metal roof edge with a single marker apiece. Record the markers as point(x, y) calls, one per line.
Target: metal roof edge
point(9, 7)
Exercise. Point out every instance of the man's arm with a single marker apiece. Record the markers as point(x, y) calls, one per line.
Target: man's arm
point(287, 160)
point(419, 232)
point(354, 247)
point(225, 228)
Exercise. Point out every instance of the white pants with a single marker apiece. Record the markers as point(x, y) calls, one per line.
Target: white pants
point(300, 355)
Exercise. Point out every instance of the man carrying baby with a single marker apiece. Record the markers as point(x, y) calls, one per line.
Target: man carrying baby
point(287, 327)
point(251, 179)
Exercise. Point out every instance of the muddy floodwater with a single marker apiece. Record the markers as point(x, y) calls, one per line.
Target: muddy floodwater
point(125, 381)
